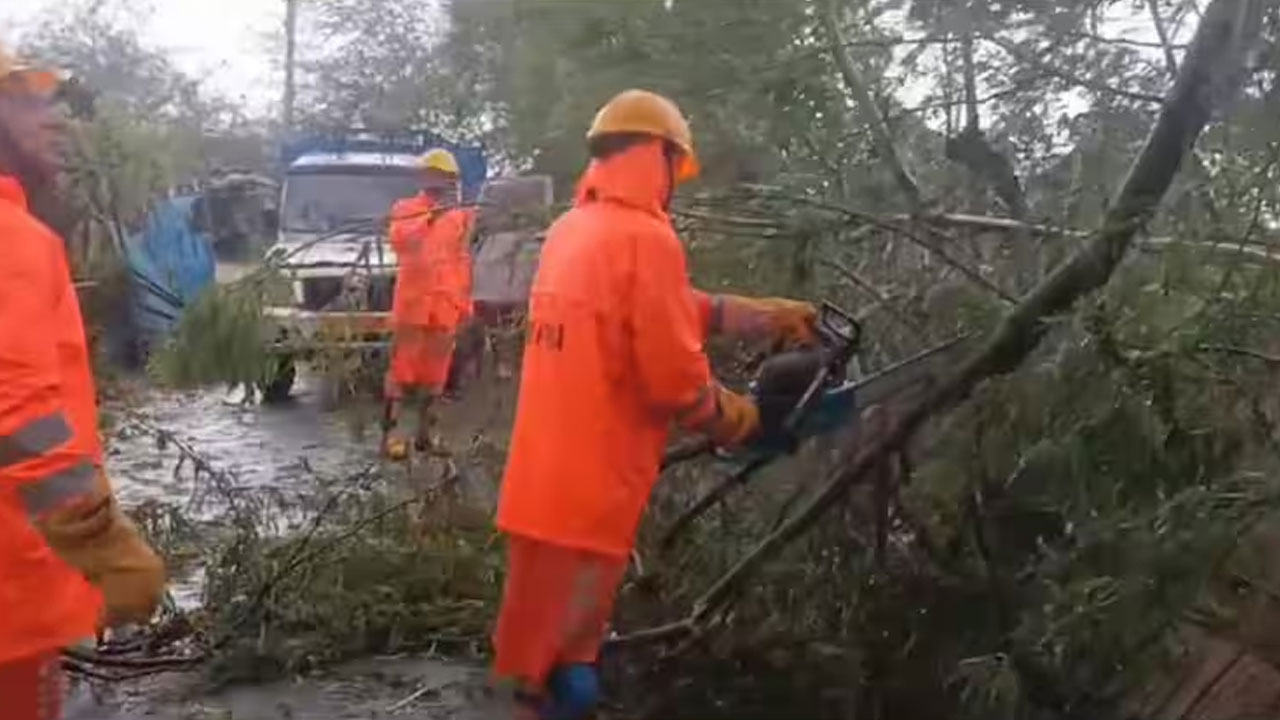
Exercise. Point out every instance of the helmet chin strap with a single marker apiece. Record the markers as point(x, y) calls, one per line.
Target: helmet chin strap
point(671, 154)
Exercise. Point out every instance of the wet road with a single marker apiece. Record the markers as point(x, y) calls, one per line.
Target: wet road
point(259, 446)
point(294, 447)
point(407, 688)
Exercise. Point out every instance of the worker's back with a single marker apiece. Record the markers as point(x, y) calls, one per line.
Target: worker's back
point(44, 603)
point(613, 350)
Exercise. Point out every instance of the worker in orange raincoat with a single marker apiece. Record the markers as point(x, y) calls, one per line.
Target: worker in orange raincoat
point(613, 356)
point(70, 561)
point(430, 234)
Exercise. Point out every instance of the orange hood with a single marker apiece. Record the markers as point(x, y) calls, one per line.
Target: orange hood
point(638, 177)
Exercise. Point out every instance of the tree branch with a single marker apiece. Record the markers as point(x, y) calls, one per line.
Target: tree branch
point(866, 106)
point(1122, 41)
point(1170, 61)
point(1212, 72)
point(1244, 352)
point(1049, 69)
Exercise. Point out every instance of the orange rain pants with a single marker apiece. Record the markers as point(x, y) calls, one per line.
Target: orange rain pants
point(420, 357)
point(555, 607)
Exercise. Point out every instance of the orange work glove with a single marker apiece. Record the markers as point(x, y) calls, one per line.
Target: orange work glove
point(736, 420)
point(790, 323)
point(94, 536)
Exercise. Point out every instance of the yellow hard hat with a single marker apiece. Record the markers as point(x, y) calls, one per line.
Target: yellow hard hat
point(641, 111)
point(439, 159)
point(33, 78)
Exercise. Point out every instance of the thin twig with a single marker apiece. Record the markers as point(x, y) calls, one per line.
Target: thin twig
point(423, 690)
point(881, 298)
point(660, 633)
point(1052, 70)
point(1171, 62)
point(946, 257)
point(135, 663)
point(1246, 352)
point(1123, 41)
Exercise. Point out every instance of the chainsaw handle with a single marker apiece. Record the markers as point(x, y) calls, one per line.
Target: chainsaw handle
point(838, 327)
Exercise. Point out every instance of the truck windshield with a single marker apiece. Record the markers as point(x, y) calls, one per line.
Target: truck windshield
point(326, 201)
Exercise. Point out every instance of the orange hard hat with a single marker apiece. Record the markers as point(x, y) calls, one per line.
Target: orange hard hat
point(32, 78)
point(641, 111)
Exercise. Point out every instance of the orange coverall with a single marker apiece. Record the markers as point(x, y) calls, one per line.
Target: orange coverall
point(614, 354)
point(433, 290)
point(49, 452)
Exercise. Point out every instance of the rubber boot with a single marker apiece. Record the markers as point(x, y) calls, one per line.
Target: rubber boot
point(394, 446)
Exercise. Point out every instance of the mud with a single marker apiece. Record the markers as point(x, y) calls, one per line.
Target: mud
point(408, 688)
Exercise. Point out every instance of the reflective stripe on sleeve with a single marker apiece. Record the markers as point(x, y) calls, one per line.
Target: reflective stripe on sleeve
point(34, 439)
point(43, 495)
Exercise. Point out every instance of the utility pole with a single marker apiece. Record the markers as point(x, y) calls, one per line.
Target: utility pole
point(290, 51)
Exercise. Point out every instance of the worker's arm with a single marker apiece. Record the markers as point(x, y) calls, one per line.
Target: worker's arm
point(790, 322)
point(36, 452)
point(668, 330)
point(397, 224)
point(65, 495)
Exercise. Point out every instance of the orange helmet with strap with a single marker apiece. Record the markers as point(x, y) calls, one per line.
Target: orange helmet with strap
point(648, 113)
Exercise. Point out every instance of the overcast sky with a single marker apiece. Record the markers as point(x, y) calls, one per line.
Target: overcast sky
point(229, 43)
point(226, 42)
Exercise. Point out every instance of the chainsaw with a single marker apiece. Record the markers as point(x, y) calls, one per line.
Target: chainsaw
point(806, 393)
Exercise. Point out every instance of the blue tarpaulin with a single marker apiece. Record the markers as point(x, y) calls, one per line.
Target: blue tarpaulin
point(170, 264)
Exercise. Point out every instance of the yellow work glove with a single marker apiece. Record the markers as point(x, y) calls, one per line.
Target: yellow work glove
point(787, 323)
point(736, 420)
point(94, 536)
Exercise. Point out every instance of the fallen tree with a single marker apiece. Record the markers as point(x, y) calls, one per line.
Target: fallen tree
point(1213, 71)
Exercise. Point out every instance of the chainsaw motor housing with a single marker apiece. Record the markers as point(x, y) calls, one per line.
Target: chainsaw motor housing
point(789, 384)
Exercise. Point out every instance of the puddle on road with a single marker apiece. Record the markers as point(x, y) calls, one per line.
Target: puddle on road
point(290, 449)
point(282, 447)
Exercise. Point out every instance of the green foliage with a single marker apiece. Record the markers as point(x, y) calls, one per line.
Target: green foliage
point(367, 571)
point(224, 337)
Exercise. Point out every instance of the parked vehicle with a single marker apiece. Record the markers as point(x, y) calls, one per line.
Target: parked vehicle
point(332, 248)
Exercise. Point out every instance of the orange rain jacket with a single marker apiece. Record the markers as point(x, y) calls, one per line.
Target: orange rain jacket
point(433, 284)
point(49, 448)
point(613, 355)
